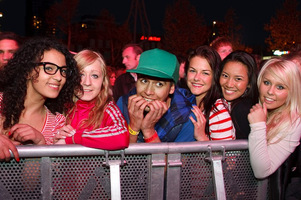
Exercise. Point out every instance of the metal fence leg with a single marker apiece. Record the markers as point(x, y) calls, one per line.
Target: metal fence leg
point(217, 172)
point(46, 179)
point(115, 179)
point(115, 175)
point(173, 176)
point(156, 186)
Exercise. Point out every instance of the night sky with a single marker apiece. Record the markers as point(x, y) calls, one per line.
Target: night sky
point(252, 15)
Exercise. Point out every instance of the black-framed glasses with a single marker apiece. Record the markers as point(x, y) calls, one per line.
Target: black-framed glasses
point(51, 69)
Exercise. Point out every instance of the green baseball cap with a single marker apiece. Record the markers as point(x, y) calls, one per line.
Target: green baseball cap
point(158, 63)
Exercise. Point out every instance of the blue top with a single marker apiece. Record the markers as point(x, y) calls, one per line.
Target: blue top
point(175, 125)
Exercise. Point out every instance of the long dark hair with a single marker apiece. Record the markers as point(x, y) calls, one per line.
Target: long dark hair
point(14, 77)
point(247, 60)
point(213, 93)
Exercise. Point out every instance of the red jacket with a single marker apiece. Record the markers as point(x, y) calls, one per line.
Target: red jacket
point(112, 133)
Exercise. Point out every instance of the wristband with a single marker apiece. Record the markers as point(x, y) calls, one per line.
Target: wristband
point(150, 139)
point(132, 132)
point(73, 139)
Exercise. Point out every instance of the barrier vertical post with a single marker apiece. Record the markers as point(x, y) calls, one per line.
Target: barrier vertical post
point(46, 178)
point(217, 172)
point(156, 186)
point(115, 175)
point(173, 176)
point(115, 179)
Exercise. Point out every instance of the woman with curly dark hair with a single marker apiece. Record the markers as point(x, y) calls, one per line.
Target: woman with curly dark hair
point(37, 86)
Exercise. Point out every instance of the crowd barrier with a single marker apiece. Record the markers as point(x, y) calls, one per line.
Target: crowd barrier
point(190, 170)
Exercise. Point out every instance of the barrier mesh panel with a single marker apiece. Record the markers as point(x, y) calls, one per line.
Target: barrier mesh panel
point(80, 178)
point(196, 177)
point(74, 178)
point(197, 180)
point(88, 178)
point(135, 177)
point(20, 180)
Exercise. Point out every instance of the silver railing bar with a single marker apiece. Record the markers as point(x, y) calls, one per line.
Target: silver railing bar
point(31, 151)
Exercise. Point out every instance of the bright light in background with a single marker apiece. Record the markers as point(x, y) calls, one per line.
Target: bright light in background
point(279, 53)
point(1, 14)
point(213, 28)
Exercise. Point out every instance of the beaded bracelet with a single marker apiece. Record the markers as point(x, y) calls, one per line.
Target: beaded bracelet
point(150, 139)
point(132, 132)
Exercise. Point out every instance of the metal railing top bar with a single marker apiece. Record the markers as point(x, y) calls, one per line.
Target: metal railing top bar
point(191, 147)
point(32, 151)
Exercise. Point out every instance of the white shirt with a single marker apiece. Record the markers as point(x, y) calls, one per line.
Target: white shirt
point(267, 158)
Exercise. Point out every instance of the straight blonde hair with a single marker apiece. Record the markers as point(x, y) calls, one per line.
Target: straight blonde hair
point(85, 58)
point(283, 119)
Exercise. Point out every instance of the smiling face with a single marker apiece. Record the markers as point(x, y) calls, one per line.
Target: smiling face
point(273, 91)
point(234, 80)
point(91, 80)
point(45, 85)
point(199, 77)
point(154, 89)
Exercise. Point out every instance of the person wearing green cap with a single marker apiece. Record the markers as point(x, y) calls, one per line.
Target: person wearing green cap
point(155, 110)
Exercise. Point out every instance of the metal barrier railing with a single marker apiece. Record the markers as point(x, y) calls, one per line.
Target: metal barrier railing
point(190, 170)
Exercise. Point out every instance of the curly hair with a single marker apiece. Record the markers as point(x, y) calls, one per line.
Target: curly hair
point(14, 77)
point(85, 58)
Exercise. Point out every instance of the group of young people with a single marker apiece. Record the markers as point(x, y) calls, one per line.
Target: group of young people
point(271, 125)
point(226, 99)
point(263, 107)
point(49, 96)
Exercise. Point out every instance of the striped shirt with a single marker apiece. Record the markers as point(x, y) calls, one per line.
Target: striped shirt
point(51, 124)
point(111, 135)
point(220, 123)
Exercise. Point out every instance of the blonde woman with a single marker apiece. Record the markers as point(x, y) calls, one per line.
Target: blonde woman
point(275, 122)
point(95, 121)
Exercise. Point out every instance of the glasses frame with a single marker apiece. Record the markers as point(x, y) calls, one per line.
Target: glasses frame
point(69, 72)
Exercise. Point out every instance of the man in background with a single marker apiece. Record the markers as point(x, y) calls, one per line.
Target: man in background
point(9, 44)
point(125, 82)
point(223, 46)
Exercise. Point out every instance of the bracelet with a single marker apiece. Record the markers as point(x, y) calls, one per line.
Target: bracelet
point(73, 139)
point(150, 139)
point(132, 132)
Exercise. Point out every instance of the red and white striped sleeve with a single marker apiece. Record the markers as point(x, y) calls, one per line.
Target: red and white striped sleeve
point(220, 123)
